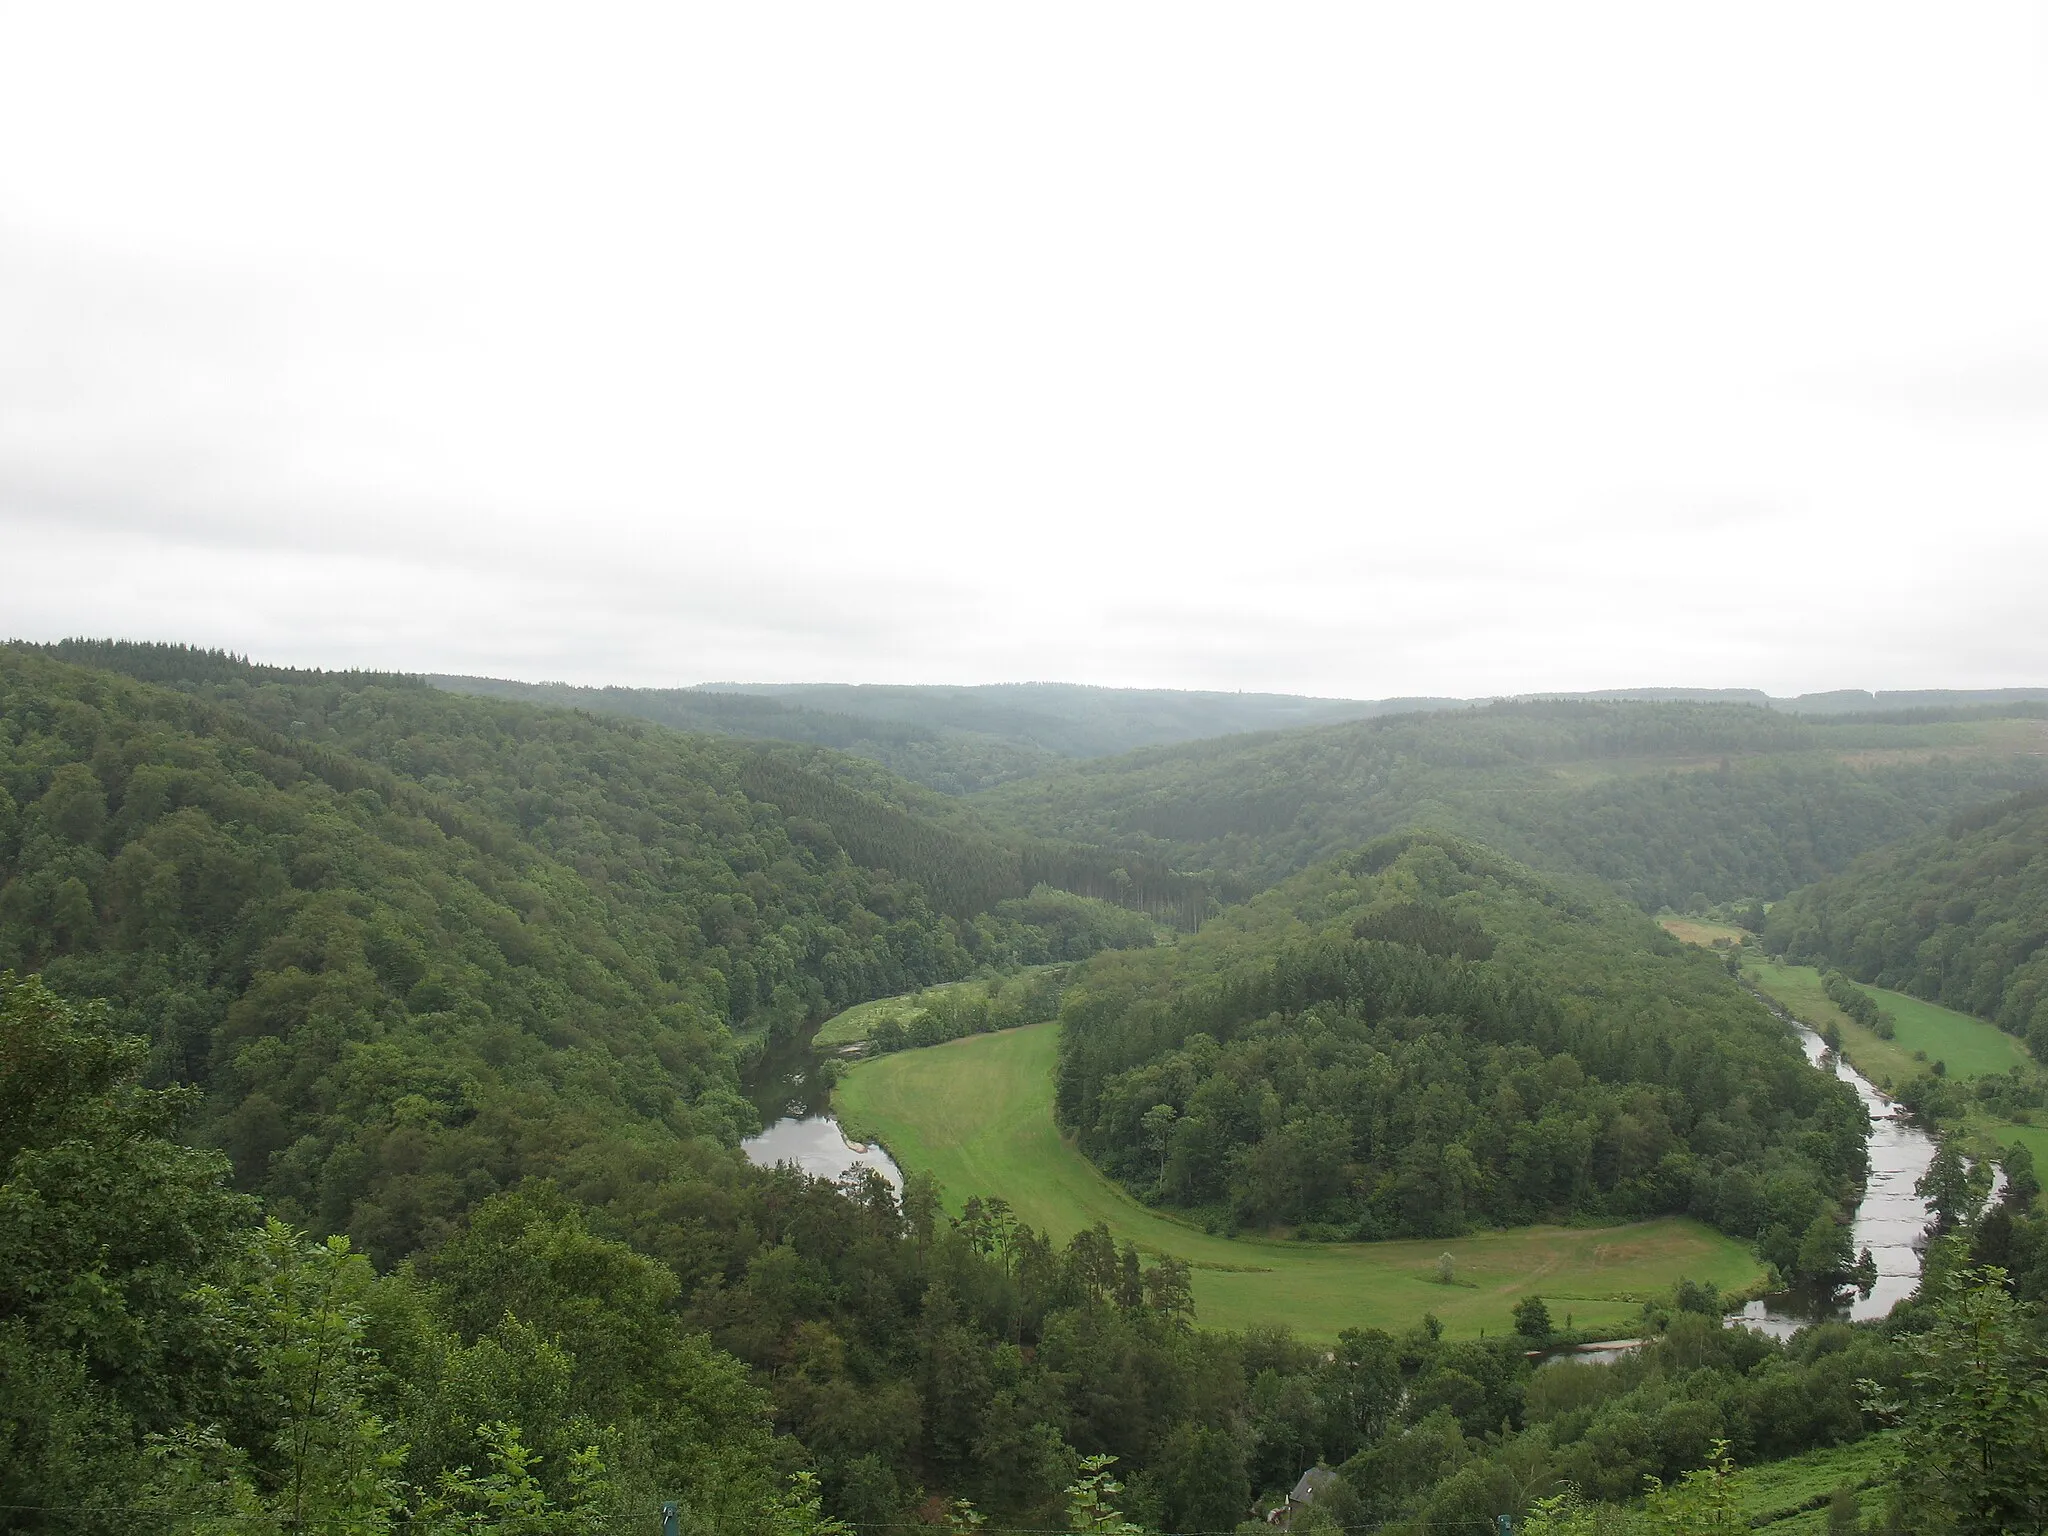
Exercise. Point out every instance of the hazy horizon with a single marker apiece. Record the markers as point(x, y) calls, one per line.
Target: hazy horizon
point(1444, 351)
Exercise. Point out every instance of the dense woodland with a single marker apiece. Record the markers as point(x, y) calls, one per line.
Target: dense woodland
point(369, 1123)
point(953, 739)
point(1424, 1036)
point(1673, 805)
point(415, 947)
point(1958, 916)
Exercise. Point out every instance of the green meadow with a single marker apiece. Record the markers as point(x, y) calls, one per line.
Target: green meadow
point(977, 1114)
point(1968, 1047)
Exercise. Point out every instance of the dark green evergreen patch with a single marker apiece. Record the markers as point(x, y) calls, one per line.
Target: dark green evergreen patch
point(1281, 1069)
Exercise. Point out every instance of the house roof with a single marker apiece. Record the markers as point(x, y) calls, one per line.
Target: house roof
point(1313, 1481)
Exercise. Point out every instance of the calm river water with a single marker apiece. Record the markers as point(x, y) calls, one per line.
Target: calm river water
point(787, 1085)
point(1890, 1221)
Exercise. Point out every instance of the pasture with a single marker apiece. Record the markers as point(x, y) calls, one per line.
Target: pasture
point(1970, 1047)
point(977, 1114)
point(1698, 930)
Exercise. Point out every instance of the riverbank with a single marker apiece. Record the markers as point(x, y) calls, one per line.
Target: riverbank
point(1926, 1033)
point(977, 1114)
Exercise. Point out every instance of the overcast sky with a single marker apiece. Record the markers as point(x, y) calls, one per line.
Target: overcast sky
point(1348, 349)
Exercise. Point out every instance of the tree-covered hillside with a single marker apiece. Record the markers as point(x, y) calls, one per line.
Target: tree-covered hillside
point(1422, 1035)
point(952, 739)
point(415, 947)
point(1671, 804)
point(1958, 916)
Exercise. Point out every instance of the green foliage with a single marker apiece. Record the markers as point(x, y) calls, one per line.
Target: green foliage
point(1957, 915)
point(414, 947)
point(1532, 1318)
point(106, 1226)
point(1089, 1506)
point(1628, 793)
point(1973, 1457)
point(1589, 1068)
point(952, 739)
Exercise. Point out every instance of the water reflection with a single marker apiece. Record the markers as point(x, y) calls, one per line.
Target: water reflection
point(791, 1086)
point(1891, 1220)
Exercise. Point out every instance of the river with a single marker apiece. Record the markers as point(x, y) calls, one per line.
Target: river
point(1890, 1219)
point(790, 1085)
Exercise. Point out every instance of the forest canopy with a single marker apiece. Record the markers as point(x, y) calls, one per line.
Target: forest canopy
point(1958, 916)
point(1423, 1036)
point(415, 947)
point(1674, 805)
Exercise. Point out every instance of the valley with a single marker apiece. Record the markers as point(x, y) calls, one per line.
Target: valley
point(977, 1114)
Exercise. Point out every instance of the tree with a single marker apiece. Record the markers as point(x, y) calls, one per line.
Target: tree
point(304, 1449)
point(1824, 1253)
point(107, 1225)
point(1089, 1501)
point(1702, 1503)
point(1973, 1453)
point(1532, 1318)
point(509, 1500)
point(1157, 1124)
point(1945, 1186)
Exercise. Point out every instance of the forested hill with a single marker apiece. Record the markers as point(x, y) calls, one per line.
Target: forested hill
point(1958, 915)
point(1421, 1036)
point(1673, 804)
point(416, 946)
point(952, 739)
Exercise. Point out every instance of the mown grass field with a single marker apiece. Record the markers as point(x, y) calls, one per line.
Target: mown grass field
point(1970, 1047)
point(1697, 930)
point(977, 1114)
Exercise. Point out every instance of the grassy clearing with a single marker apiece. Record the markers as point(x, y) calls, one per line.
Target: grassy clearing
point(1781, 1496)
point(856, 1023)
point(977, 1114)
point(1697, 930)
point(1970, 1046)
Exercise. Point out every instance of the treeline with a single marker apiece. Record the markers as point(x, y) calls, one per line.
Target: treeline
point(965, 869)
point(1958, 916)
point(1675, 805)
point(414, 947)
point(968, 1008)
point(955, 740)
point(1492, 1051)
point(775, 1352)
point(1858, 1004)
point(949, 759)
point(186, 665)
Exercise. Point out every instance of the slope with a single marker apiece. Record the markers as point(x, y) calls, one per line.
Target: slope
point(1423, 1036)
point(1672, 804)
point(1958, 916)
point(416, 947)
